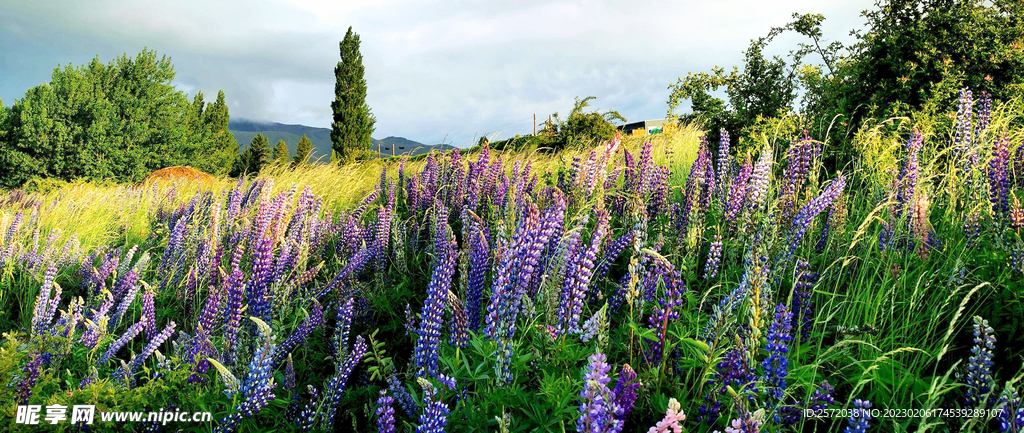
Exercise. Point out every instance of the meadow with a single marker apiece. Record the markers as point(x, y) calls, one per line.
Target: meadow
point(659, 283)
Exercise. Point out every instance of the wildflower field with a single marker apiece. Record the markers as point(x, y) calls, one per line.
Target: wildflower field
point(658, 284)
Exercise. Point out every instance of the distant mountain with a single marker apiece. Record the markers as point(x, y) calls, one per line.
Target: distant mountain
point(245, 130)
point(405, 146)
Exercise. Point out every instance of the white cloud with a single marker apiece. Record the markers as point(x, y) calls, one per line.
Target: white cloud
point(433, 68)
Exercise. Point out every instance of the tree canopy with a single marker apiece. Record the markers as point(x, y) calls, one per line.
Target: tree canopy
point(115, 121)
point(353, 123)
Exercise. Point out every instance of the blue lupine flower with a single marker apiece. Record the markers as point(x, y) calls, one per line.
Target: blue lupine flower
point(432, 316)
point(385, 413)
point(1011, 413)
point(316, 317)
point(807, 213)
point(999, 177)
point(979, 365)
point(776, 365)
point(404, 399)
point(435, 414)
point(335, 386)
point(597, 414)
point(802, 304)
point(860, 420)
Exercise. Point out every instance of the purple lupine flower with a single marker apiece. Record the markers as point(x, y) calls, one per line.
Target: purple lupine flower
point(760, 178)
point(355, 264)
point(860, 420)
point(579, 270)
point(962, 137)
point(126, 283)
point(724, 163)
point(625, 394)
point(979, 365)
point(211, 313)
point(12, 229)
point(802, 305)
point(746, 423)
point(126, 301)
point(289, 375)
point(662, 270)
point(233, 308)
point(385, 413)
point(597, 411)
point(257, 290)
point(659, 192)
point(479, 265)
point(809, 211)
point(906, 183)
point(128, 335)
point(316, 317)
point(799, 157)
point(435, 414)
point(174, 242)
point(776, 365)
point(714, 259)
point(42, 315)
point(643, 166)
point(28, 380)
point(384, 217)
point(738, 191)
point(335, 386)
point(734, 370)
point(432, 315)
point(822, 397)
point(503, 308)
point(459, 323)
point(552, 224)
point(700, 185)
point(999, 177)
point(151, 346)
point(198, 352)
point(612, 253)
point(984, 115)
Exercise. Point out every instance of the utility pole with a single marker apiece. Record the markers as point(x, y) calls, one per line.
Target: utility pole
point(392, 150)
point(535, 124)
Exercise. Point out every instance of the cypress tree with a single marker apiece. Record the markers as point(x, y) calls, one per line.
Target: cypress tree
point(353, 123)
point(281, 152)
point(303, 151)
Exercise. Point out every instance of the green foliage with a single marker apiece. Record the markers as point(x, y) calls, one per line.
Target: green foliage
point(353, 122)
point(4, 121)
point(255, 157)
point(911, 47)
point(116, 121)
point(912, 52)
point(764, 88)
point(304, 149)
point(579, 127)
point(281, 152)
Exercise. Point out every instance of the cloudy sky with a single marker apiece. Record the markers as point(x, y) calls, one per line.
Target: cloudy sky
point(455, 69)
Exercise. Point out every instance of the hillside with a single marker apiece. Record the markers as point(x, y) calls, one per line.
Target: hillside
point(245, 130)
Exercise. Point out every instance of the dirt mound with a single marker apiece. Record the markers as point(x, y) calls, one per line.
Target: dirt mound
point(171, 174)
